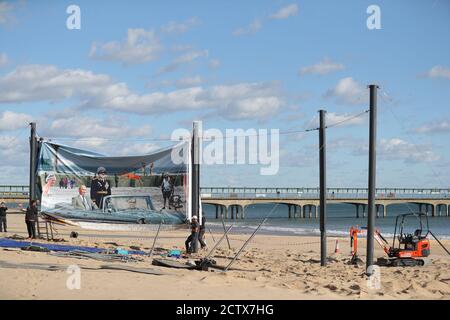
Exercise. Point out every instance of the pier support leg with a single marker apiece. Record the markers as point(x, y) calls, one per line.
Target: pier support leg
point(300, 213)
point(364, 210)
point(357, 211)
point(317, 213)
point(309, 212)
point(226, 212)
point(384, 211)
point(217, 211)
point(377, 209)
point(243, 212)
point(305, 207)
point(420, 207)
point(289, 211)
point(433, 210)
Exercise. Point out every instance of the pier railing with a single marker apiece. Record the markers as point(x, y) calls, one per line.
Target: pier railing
point(312, 193)
point(285, 193)
point(13, 191)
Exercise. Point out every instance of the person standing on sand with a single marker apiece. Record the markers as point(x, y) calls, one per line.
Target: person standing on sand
point(191, 241)
point(201, 234)
point(3, 209)
point(31, 214)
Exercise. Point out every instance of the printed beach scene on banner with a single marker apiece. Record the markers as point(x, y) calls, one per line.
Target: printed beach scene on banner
point(86, 188)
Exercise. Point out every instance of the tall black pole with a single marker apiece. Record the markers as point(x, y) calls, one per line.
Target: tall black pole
point(33, 150)
point(195, 178)
point(323, 189)
point(372, 176)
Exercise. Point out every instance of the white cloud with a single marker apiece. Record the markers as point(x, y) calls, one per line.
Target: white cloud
point(439, 72)
point(260, 107)
point(440, 126)
point(140, 46)
point(111, 135)
point(347, 142)
point(88, 127)
point(180, 27)
point(184, 59)
point(326, 66)
point(138, 149)
point(344, 119)
point(13, 150)
point(214, 63)
point(285, 12)
point(12, 121)
point(5, 9)
point(3, 59)
point(189, 82)
point(35, 83)
point(185, 82)
point(398, 149)
point(252, 28)
point(48, 83)
point(348, 91)
point(115, 148)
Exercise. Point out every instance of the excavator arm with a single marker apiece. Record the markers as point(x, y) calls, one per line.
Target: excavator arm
point(354, 231)
point(382, 241)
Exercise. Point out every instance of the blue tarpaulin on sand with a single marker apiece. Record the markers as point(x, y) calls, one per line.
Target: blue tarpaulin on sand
point(9, 243)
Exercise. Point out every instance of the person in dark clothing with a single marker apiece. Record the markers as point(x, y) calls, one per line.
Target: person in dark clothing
point(100, 188)
point(167, 189)
point(3, 209)
point(201, 234)
point(191, 241)
point(30, 219)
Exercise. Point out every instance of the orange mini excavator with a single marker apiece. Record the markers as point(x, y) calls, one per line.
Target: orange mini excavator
point(408, 249)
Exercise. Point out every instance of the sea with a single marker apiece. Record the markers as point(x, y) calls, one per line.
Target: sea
point(340, 218)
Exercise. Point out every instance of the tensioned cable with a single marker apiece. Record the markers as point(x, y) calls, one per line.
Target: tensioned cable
point(401, 123)
point(14, 139)
point(347, 119)
point(204, 138)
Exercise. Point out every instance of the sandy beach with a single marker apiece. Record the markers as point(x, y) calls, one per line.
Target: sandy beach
point(271, 267)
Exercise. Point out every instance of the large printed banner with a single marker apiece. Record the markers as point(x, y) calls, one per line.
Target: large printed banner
point(85, 186)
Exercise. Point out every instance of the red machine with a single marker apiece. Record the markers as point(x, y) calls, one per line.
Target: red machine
point(408, 249)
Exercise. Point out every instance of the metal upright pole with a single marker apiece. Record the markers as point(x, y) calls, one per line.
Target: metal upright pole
point(33, 149)
point(372, 175)
point(195, 178)
point(323, 189)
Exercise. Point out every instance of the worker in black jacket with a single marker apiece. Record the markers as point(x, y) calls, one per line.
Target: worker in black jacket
point(191, 241)
point(31, 214)
point(3, 209)
point(201, 234)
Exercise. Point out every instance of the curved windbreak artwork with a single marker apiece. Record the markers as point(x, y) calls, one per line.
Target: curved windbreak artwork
point(84, 186)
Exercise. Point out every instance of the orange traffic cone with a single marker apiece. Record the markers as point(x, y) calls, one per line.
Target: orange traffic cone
point(336, 248)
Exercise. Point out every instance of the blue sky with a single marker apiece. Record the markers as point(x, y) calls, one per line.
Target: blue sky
point(135, 72)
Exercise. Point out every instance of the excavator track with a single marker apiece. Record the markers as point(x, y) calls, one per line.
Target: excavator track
point(402, 262)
